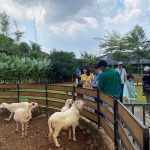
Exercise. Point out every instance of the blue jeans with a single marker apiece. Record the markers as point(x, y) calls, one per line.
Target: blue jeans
point(121, 92)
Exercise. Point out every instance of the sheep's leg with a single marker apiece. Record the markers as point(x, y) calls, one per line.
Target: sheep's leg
point(69, 133)
point(16, 126)
point(56, 132)
point(74, 131)
point(26, 129)
point(50, 137)
point(22, 130)
point(9, 117)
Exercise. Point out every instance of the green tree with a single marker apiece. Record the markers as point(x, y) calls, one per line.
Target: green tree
point(18, 34)
point(35, 46)
point(5, 42)
point(63, 63)
point(4, 23)
point(36, 54)
point(88, 59)
point(113, 43)
point(24, 48)
point(138, 43)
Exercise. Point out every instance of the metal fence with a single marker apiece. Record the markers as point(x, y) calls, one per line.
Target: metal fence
point(143, 108)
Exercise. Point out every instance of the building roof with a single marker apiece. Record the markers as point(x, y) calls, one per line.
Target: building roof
point(108, 57)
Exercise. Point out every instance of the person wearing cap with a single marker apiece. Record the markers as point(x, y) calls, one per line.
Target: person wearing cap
point(109, 80)
point(146, 86)
point(78, 77)
point(122, 74)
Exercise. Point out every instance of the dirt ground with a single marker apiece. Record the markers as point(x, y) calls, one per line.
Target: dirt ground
point(37, 137)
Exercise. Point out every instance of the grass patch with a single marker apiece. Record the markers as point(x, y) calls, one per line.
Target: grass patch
point(140, 98)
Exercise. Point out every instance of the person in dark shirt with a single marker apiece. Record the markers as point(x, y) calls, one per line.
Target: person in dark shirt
point(146, 85)
point(78, 77)
point(109, 80)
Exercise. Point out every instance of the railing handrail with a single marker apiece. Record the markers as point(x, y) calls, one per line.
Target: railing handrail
point(137, 104)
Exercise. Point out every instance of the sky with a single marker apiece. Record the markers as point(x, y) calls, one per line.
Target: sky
point(75, 25)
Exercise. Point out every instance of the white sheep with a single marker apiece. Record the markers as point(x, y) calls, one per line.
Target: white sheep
point(65, 120)
point(23, 115)
point(12, 107)
point(68, 104)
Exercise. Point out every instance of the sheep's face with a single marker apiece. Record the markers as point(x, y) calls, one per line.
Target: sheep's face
point(34, 105)
point(79, 104)
point(69, 102)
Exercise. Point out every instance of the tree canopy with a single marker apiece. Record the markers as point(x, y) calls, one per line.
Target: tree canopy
point(135, 41)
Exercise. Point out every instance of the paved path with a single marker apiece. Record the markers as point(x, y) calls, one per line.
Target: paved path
point(139, 114)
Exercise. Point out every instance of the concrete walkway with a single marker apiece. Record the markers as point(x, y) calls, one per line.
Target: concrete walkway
point(139, 114)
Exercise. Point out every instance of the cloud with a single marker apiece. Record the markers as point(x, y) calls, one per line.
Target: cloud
point(72, 24)
point(133, 11)
point(122, 18)
point(91, 21)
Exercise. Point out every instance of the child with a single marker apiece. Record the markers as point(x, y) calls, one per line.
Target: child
point(78, 77)
point(129, 89)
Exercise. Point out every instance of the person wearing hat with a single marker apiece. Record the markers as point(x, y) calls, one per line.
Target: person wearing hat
point(122, 74)
point(109, 80)
point(78, 77)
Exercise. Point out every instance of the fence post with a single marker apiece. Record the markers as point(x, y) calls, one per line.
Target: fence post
point(98, 108)
point(73, 92)
point(116, 123)
point(46, 94)
point(146, 139)
point(18, 91)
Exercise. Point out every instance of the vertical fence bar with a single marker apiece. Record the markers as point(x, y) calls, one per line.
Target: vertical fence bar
point(132, 108)
point(18, 91)
point(146, 139)
point(116, 123)
point(73, 92)
point(98, 109)
point(144, 115)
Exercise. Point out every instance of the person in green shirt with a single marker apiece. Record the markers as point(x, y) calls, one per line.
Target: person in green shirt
point(109, 80)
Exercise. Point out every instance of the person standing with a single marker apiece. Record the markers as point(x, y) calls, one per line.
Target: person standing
point(109, 80)
point(122, 74)
point(94, 83)
point(86, 77)
point(86, 80)
point(78, 77)
point(129, 92)
point(146, 85)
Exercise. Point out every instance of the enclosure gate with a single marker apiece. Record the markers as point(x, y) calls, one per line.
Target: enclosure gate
point(118, 122)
